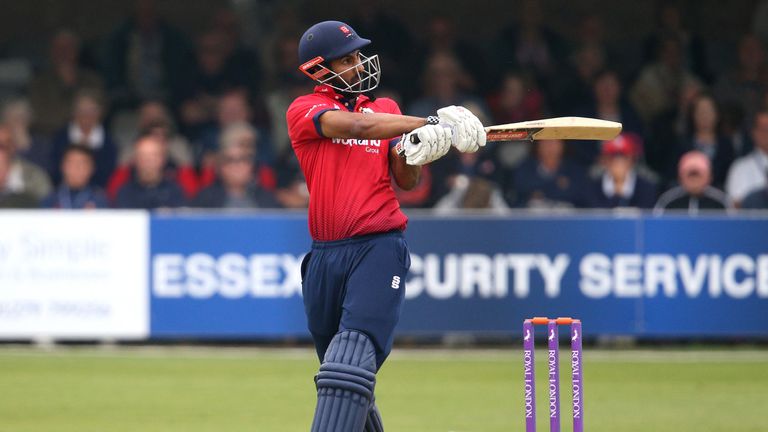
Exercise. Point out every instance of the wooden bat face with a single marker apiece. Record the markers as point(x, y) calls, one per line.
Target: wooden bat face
point(566, 128)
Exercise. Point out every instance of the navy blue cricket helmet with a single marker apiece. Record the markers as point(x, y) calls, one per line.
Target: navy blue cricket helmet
point(329, 40)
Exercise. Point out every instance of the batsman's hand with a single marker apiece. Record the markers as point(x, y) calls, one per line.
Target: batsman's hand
point(468, 131)
point(432, 143)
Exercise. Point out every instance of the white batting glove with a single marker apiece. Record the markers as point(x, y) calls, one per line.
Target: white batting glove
point(433, 142)
point(468, 131)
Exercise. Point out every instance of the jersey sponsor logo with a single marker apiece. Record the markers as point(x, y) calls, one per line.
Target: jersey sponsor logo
point(356, 142)
point(366, 110)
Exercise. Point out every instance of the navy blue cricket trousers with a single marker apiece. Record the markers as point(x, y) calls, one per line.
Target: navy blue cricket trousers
point(356, 284)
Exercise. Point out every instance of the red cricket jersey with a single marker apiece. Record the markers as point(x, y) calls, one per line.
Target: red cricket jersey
point(348, 179)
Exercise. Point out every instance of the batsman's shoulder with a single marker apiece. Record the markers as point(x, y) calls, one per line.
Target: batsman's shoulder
point(389, 105)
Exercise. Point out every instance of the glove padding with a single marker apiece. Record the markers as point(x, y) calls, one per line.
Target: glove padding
point(468, 131)
point(434, 143)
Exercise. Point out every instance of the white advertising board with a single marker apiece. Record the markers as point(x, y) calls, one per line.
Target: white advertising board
point(74, 274)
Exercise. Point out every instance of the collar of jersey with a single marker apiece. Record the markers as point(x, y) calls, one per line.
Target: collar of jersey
point(333, 94)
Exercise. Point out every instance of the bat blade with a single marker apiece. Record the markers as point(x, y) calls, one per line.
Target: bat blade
point(567, 128)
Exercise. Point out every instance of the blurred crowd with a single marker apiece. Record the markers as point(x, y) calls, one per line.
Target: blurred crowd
point(155, 118)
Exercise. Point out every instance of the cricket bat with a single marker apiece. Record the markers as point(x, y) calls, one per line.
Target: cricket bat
point(565, 128)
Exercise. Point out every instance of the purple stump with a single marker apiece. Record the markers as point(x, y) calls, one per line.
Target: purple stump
point(554, 376)
point(529, 376)
point(577, 377)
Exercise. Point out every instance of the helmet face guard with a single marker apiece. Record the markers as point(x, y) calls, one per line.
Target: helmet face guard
point(367, 79)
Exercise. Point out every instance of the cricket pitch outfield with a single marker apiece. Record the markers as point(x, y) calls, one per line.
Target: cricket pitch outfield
point(193, 389)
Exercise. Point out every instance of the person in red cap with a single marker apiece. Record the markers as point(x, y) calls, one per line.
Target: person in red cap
point(620, 184)
point(695, 191)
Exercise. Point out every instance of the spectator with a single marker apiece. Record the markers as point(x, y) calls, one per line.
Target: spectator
point(75, 190)
point(214, 74)
point(670, 25)
point(607, 104)
point(24, 177)
point(442, 82)
point(575, 87)
point(177, 165)
point(392, 39)
point(547, 180)
point(621, 185)
point(145, 59)
point(52, 92)
point(8, 197)
point(705, 136)
point(740, 91)
point(86, 129)
point(153, 114)
point(518, 99)
point(149, 188)
point(442, 37)
point(288, 84)
point(227, 23)
point(694, 192)
point(757, 199)
point(472, 193)
point(231, 108)
point(236, 186)
point(17, 116)
point(660, 84)
point(749, 172)
point(528, 44)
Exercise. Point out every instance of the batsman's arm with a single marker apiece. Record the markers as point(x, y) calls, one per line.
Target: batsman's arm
point(344, 124)
point(406, 176)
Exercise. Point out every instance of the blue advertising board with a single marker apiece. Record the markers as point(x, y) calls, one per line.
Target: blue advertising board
point(238, 276)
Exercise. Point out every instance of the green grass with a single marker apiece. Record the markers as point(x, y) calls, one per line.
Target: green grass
point(194, 389)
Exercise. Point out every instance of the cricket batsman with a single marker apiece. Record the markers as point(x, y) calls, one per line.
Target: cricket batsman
point(353, 279)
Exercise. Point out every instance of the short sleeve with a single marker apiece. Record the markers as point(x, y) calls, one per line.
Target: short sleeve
point(303, 118)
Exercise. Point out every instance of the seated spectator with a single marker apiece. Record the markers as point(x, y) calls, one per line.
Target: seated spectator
point(146, 58)
point(17, 116)
point(660, 84)
point(233, 107)
point(705, 136)
point(24, 176)
point(749, 173)
point(86, 129)
point(518, 99)
point(757, 199)
point(608, 104)
point(472, 193)
point(149, 188)
point(75, 190)
point(52, 92)
point(175, 168)
point(8, 197)
point(442, 83)
point(236, 186)
point(153, 114)
point(621, 185)
point(214, 74)
point(740, 90)
point(694, 192)
point(547, 180)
